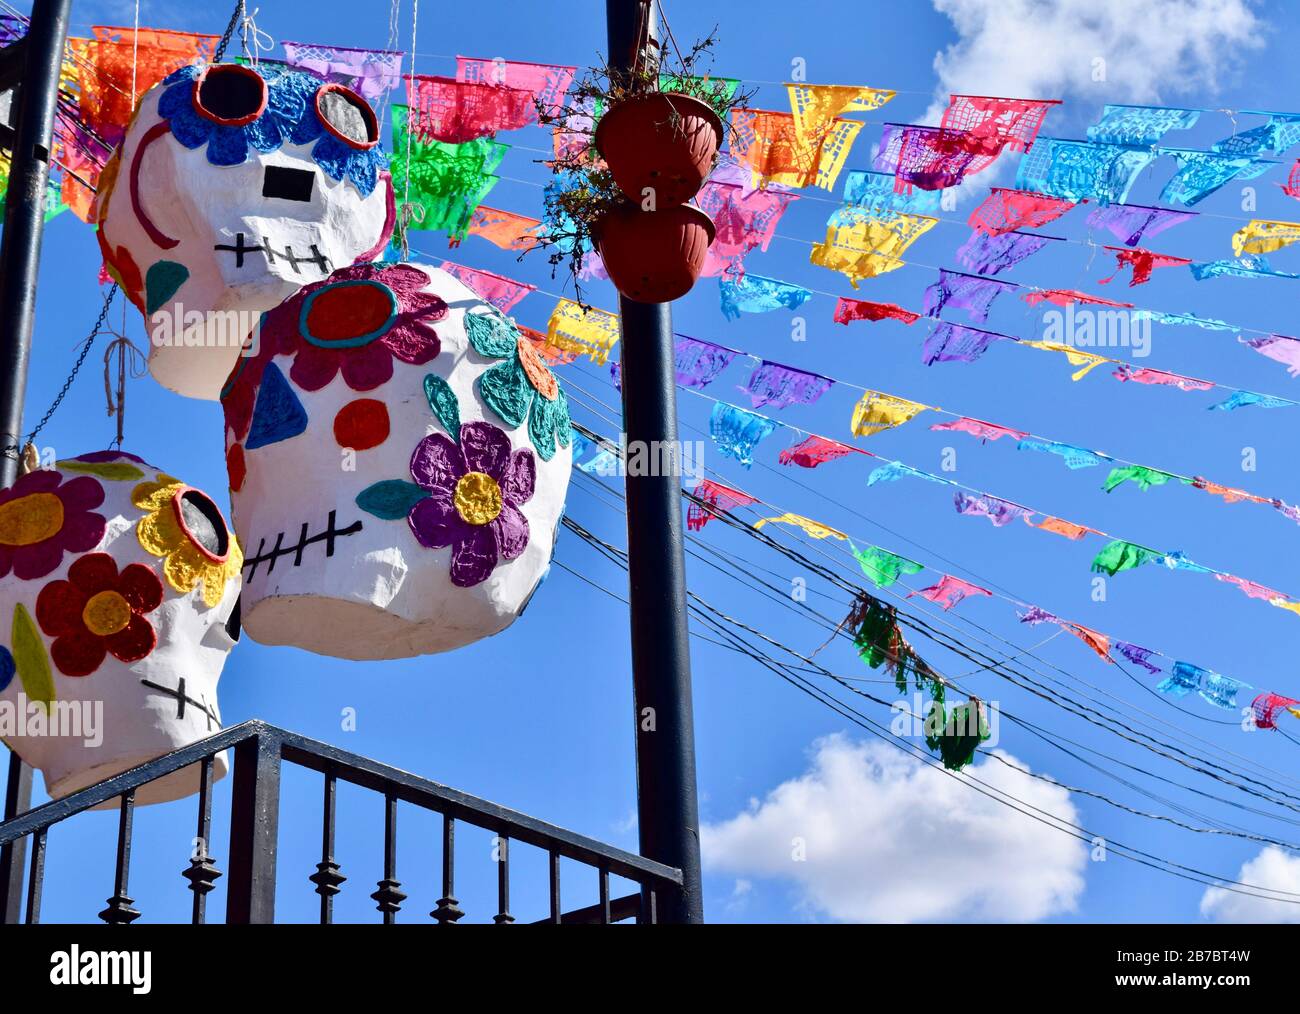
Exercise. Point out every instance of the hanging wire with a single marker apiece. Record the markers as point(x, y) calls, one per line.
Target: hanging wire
point(13, 450)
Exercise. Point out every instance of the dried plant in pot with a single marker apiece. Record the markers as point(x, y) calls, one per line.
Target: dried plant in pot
point(632, 148)
point(658, 127)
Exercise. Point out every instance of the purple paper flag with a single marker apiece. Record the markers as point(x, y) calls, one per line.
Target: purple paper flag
point(1130, 222)
point(956, 343)
point(1137, 655)
point(990, 255)
point(1278, 348)
point(1000, 512)
point(777, 386)
point(697, 363)
point(1037, 614)
point(370, 72)
point(964, 292)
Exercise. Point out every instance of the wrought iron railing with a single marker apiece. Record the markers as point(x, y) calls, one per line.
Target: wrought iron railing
point(260, 751)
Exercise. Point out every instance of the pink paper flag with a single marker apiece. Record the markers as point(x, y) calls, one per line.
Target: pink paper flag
point(979, 428)
point(950, 590)
point(503, 293)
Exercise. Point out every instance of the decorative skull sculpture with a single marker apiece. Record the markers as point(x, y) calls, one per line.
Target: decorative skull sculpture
point(118, 591)
point(231, 191)
point(398, 456)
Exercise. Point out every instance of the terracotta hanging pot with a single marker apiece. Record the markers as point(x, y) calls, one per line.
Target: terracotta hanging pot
point(654, 257)
point(662, 143)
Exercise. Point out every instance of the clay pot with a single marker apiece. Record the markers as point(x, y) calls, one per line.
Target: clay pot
point(654, 256)
point(662, 142)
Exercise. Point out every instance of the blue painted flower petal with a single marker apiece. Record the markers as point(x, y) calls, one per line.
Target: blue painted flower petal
point(301, 89)
point(181, 74)
point(363, 172)
point(176, 99)
point(229, 146)
point(191, 129)
point(333, 156)
point(287, 102)
point(264, 134)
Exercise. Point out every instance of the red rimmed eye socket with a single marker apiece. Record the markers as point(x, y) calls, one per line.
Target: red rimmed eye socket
point(347, 116)
point(230, 94)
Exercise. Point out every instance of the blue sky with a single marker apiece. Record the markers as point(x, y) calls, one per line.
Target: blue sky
point(538, 718)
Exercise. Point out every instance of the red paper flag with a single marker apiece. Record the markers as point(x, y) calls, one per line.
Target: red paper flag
point(715, 495)
point(849, 310)
point(1008, 210)
point(1064, 297)
point(815, 451)
point(1143, 263)
point(452, 111)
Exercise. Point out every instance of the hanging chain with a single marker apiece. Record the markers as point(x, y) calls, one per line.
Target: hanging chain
point(235, 19)
point(12, 450)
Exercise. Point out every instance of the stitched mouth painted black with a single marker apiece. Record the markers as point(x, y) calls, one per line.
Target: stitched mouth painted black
point(288, 184)
point(240, 249)
point(184, 700)
point(328, 536)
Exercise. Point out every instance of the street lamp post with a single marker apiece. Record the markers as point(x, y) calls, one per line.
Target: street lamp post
point(667, 808)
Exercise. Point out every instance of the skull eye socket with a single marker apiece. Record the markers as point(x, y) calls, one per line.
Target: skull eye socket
point(229, 94)
point(347, 116)
point(201, 521)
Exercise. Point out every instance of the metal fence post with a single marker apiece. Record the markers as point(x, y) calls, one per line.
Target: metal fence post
point(254, 830)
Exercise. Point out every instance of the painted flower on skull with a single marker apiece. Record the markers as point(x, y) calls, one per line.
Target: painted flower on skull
point(41, 517)
point(522, 387)
point(249, 112)
point(184, 527)
point(97, 612)
point(474, 491)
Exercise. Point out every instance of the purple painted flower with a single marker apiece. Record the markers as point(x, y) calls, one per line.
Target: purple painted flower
point(475, 490)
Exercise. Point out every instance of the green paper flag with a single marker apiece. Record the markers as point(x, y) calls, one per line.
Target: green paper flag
point(1140, 474)
point(1119, 556)
point(882, 567)
point(963, 731)
point(446, 181)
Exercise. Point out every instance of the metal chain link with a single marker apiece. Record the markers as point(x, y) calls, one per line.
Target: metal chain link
point(230, 30)
point(13, 450)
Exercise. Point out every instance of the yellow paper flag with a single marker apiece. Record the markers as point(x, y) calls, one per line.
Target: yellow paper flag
point(815, 106)
point(813, 528)
point(877, 411)
point(1262, 236)
point(767, 142)
point(1087, 360)
point(590, 333)
point(861, 245)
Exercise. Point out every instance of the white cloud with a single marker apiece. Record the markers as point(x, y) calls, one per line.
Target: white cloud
point(886, 838)
point(1272, 869)
point(1048, 48)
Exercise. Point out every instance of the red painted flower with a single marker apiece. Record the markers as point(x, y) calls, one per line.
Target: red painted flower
point(98, 612)
point(357, 321)
point(41, 517)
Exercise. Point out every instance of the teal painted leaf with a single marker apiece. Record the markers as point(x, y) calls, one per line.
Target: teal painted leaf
point(491, 334)
point(445, 405)
point(391, 499)
point(161, 282)
point(505, 389)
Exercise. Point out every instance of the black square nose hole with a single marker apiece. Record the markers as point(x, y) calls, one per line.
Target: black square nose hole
point(288, 184)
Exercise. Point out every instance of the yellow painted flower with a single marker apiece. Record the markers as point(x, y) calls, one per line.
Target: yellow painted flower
point(184, 527)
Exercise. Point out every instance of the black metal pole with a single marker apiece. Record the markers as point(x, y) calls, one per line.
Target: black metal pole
point(667, 808)
point(20, 254)
point(20, 246)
